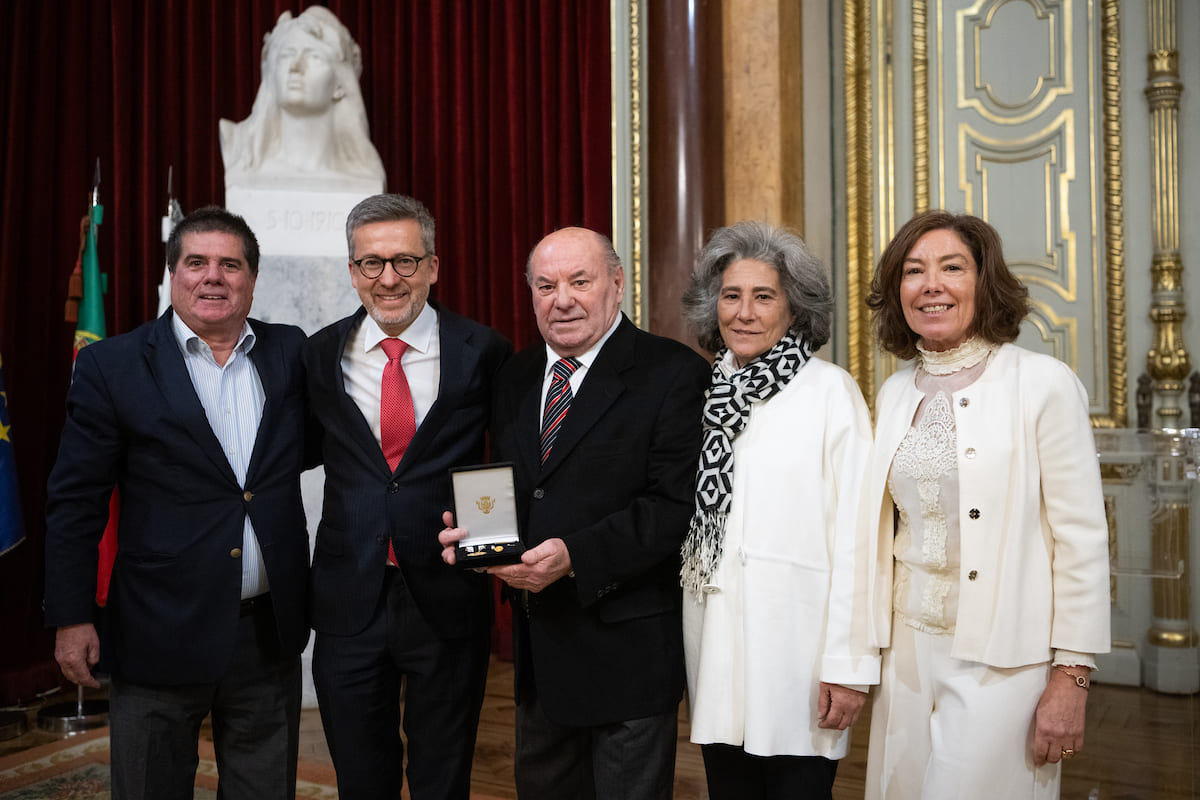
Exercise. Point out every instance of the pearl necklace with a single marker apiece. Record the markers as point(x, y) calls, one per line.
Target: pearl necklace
point(947, 362)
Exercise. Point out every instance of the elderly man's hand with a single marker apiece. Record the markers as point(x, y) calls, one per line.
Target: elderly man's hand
point(539, 567)
point(77, 649)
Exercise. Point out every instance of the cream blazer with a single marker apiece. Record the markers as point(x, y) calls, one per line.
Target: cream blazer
point(1034, 570)
point(787, 606)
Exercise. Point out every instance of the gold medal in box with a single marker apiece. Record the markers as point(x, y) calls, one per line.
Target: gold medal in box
point(485, 504)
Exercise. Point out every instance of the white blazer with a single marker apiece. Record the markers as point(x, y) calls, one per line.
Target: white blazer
point(788, 602)
point(1034, 570)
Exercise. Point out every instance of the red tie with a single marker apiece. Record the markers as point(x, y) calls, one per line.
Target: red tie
point(397, 419)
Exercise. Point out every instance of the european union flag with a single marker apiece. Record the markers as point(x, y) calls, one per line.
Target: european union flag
point(12, 527)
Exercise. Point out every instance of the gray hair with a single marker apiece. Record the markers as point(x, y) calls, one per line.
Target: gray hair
point(391, 208)
point(611, 259)
point(803, 278)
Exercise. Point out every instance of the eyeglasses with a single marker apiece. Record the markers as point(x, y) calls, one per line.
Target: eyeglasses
point(404, 266)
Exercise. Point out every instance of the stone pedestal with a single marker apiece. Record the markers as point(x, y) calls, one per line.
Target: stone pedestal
point(1172, 669)
point(288, 222)
point(1120, 667)
point(1150, 485)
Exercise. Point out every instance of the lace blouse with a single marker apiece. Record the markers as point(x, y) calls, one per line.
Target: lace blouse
point(924, 486)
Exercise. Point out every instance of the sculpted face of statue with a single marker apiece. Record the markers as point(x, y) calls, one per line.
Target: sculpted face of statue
point(304, 76)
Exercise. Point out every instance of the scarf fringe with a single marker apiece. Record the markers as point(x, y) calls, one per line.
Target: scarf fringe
point(702, 550)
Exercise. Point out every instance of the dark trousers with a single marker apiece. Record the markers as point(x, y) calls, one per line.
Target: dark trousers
point(734, 774)
point(630, 760)
point(255, 707)
point(358, 681)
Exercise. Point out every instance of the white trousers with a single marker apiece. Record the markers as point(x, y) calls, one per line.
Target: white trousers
point(944, 729)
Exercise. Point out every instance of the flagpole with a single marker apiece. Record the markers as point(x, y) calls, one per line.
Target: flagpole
point(169, 221)
point(70, 718)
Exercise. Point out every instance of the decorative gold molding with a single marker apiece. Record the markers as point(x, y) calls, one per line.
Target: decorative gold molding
point(1114, 220)
point(920, 101)
point(628, 142)
point(1057, 82)
point(638, 237)
point(1167, 360)
point(856, 63)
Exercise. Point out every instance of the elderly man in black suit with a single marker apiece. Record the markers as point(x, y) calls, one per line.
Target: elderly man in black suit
point(198, 417)
point(602, 424)
point(401, 390)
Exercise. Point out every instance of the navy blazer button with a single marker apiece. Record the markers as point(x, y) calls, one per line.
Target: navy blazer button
point(393, 487)
point(973, 513)
point(235, 552)
point(972, 575)
point(380, 539)
point(247, 496)
point(539, 493)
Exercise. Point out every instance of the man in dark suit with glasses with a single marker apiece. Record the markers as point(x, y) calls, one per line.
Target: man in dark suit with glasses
point(401, 390)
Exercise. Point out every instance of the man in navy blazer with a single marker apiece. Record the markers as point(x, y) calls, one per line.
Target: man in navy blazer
point(598, 635)
point(384, 606)
point(198, 418)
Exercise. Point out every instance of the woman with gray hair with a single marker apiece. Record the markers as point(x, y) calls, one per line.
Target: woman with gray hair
point(775, 634)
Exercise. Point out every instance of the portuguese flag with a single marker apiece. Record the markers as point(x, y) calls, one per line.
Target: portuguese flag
point(85, 307)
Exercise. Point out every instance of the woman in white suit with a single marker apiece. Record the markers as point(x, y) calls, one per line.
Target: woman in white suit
point(776, 667)
point(991, 559)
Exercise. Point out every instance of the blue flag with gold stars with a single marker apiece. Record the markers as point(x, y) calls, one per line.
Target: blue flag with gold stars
point(12, 527)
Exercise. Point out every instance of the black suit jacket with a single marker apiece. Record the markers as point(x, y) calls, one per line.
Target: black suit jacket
point(618, 488)
point(366, 503)
point(134, 421)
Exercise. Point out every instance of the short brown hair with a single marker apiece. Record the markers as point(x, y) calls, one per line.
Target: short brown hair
point(1001, 300)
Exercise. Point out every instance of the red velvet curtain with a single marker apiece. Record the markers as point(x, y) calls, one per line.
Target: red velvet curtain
point(495, 113)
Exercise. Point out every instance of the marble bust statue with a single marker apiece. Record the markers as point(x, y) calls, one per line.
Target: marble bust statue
point(308, 126)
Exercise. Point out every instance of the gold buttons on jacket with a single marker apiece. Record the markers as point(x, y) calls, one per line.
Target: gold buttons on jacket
point(973, 513)
point(235, 552)
point(247, 496)
point(963, 402)
point(972, 575)
point(970, 452)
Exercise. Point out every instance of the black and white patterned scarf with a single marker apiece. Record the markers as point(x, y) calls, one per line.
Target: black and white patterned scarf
point(726, 411)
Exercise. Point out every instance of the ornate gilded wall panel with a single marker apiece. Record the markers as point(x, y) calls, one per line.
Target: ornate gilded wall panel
point(1013, 114)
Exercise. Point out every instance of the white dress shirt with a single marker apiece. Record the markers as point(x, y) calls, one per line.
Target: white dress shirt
point(585, 363)
point(233, 398)
point(363, 362)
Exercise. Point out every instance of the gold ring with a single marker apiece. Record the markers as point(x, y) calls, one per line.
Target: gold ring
point(1068, 753)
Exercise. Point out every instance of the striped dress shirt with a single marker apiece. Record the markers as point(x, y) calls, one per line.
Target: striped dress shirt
point(233, 399)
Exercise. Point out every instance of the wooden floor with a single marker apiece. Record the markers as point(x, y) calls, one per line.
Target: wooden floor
point(1139, 746)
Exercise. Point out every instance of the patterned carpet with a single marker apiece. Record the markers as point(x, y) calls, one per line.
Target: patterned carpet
point(77, 769)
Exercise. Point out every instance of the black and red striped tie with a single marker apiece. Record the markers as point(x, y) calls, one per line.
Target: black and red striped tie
point(558, 402)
